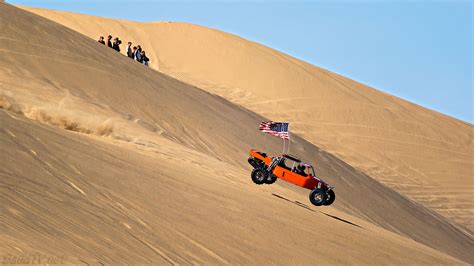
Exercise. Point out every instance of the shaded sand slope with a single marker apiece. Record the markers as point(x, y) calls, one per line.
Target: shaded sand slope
point(419, 152)
point(108, 95)
point(92, 200)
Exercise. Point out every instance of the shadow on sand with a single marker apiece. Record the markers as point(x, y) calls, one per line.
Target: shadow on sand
point(309, 208)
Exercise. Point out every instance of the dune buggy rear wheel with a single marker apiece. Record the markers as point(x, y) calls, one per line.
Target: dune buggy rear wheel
point(331, 197)
point(318, 197)
point(259, 176)
point(271, 179)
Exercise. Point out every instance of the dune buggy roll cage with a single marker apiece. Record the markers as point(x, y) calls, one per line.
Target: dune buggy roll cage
point(279, 159)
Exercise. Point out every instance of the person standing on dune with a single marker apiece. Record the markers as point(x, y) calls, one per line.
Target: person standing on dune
point(145, 59)
point(138, 54)
point(109, 41)
point(129, 50)
point(101, 40)
point(116, 45)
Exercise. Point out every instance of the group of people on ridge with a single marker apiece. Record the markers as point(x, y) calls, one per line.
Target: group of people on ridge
point(134, 52)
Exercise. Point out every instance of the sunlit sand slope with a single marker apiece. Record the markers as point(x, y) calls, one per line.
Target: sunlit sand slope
point(83, 199)
point(175, 157)
point(419, 152)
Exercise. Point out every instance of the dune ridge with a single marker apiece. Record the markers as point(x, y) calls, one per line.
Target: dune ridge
point(180, 191)
point(419, 152)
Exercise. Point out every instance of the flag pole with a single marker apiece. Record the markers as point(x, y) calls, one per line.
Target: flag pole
point(289, 138)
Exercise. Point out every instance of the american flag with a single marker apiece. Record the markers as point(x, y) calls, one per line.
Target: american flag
point(277, 129)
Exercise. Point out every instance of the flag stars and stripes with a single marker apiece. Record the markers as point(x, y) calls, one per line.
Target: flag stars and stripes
point(277, 129)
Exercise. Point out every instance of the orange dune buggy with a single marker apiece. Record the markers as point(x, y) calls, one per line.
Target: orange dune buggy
point(291, 169)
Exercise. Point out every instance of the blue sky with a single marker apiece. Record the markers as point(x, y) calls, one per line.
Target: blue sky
point(418, 50)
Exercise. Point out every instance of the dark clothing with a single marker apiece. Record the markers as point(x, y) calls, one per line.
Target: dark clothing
point(145, 60)
point(116, 46)
point(138, 55)
point(109, 43)
point(102, 42)
point(301, 172)
point(129, 52)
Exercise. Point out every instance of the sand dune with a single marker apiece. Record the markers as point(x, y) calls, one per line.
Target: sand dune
point(421, 153)
point(92, 200)
point(106, 160)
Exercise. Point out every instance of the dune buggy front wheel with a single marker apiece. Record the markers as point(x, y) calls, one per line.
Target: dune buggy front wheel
point(318, 197)
point(331, 197)
point(259, 176)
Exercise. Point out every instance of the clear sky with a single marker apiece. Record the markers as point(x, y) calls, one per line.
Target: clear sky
point(418, 50)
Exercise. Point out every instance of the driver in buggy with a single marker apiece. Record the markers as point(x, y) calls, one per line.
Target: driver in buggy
point(300, 169)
